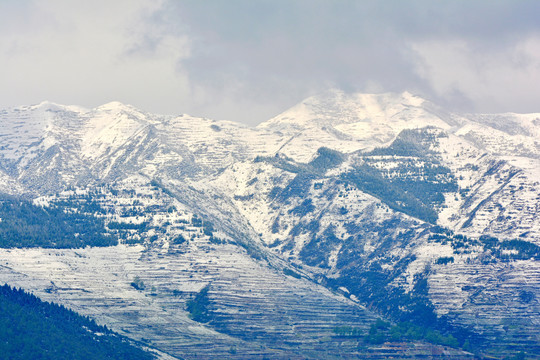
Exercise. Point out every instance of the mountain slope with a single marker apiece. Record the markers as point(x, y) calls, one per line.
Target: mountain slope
point(378, 199)
point(32, 329)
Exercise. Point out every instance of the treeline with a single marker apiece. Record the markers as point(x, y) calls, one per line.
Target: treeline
point(499, 250)
point(420, 180)
point(416, 191)
point(412, 311)
point(515, 249)
point(370, 180)
point(23, 224)
point(33, 329)
point(382, 331)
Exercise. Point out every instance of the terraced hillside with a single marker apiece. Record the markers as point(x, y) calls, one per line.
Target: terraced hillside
point(290, 239)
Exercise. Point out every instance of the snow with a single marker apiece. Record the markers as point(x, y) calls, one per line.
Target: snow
point(207, 167)
point(349, 122)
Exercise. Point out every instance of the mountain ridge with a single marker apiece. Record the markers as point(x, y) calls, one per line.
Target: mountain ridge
point(372, 197)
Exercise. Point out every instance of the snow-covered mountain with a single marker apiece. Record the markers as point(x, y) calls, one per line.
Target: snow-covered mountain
point(379, 200)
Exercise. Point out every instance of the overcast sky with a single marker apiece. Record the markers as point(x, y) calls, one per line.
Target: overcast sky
point(250, 60)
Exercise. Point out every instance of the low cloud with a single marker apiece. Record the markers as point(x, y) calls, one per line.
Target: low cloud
point(493, 80)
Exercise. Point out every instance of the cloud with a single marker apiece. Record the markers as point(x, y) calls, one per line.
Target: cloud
point(278, 52)
point(89, 53)
point(249, 60)
point(494, 80)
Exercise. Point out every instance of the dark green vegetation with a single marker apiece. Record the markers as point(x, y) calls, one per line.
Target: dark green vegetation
point(444, 260)
point(198, 306)
point(365, 275)
point(413, 312)
point(382, 331)
point(292, 273)
point(412, 143)
point(315, 252)
point(26, 225)
point(137, 284)
point(494, 249)
point(370, 180)
point(33, 329)
point(326, 159)
point(512, 249)
point(417, 185)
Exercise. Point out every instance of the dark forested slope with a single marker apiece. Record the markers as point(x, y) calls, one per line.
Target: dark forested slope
point(23, 224)
point(33, 329)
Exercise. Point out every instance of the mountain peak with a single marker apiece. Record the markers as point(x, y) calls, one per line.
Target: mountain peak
point(115, 106)
point(52, 106)
point(336, 107)
point(47, 105)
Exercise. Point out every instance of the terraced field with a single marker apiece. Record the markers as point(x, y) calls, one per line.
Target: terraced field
point(255, 312)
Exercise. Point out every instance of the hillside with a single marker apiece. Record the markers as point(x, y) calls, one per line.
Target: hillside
point(343, 209)
point(33, 329)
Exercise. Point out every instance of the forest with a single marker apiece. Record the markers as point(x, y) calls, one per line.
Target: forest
point(33, 329)
point(23, 224)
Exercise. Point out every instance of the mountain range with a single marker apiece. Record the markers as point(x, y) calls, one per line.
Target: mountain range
point(351, 225)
